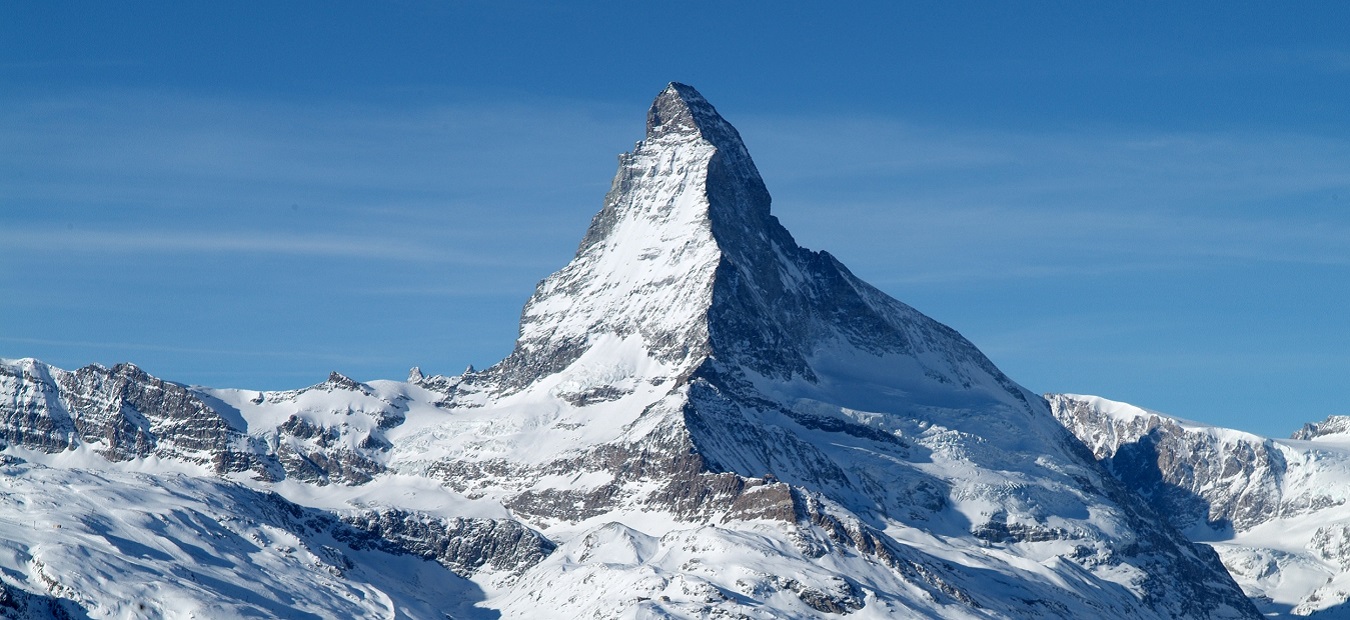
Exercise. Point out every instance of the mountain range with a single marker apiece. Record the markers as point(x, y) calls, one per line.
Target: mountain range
point(699, 419)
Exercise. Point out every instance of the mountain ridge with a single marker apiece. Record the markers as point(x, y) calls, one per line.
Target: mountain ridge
point(1276, 510)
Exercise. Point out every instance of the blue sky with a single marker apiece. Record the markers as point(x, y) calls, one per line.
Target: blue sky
point(1142, 201)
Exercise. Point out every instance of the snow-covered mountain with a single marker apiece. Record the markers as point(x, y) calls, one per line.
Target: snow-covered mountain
point(700, 419)
point(1276, 510)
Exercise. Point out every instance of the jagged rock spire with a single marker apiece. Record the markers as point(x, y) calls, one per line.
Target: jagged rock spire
point(680, 112)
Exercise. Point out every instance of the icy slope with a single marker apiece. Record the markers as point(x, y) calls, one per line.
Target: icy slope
point(115, 545)
point(1275, 509)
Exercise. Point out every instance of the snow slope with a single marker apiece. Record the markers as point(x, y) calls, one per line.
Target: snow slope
point(121, 545)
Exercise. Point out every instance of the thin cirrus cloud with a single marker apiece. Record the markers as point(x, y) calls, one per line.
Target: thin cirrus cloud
point(140, 346)
point(1316, 60)
point(102, 243)
point(217, 176)
point(1126, 166)
point(152, 148)
point(944, 244)
point(150, 173)
point(957, 204)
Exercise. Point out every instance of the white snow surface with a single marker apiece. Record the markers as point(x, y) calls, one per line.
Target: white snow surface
point(124, 545)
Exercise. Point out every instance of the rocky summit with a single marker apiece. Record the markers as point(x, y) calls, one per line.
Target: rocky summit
point(699, 419)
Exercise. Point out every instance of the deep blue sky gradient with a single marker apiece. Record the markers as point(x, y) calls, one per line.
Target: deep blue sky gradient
point(1142, 201)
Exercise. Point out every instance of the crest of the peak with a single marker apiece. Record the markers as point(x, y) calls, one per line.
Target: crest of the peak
point(680, 111)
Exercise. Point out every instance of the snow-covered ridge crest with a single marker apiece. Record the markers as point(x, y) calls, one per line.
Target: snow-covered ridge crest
point(1276, 510)
point(1333, 428)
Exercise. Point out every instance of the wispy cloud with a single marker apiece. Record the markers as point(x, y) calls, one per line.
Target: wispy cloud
point(1313, 60)
point(48, 65)
point(121, 140)
point(148, 172)
point(133, 346)
point(174, 241)
point(152, 172)
point(443, 291)
point(964, 204)
point(171, 241)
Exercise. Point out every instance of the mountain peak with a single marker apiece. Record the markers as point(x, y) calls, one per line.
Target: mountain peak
point(681, 111)
point(683, 203)
point(680, 114)
point(685, 263)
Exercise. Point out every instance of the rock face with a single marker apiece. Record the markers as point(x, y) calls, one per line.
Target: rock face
point(1193, 476)
point(1275, 510)
point(121, 413)
point(1332, 426)
point(17, 604)
point(464, 546)
point(700, 418)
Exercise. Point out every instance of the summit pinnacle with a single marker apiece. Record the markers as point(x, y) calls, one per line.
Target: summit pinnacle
point(680, 111)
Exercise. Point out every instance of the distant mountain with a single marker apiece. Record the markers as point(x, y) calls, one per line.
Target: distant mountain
point(699, 419)
point(1274, 509)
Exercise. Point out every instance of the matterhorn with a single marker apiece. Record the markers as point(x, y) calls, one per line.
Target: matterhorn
point(700, 419)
